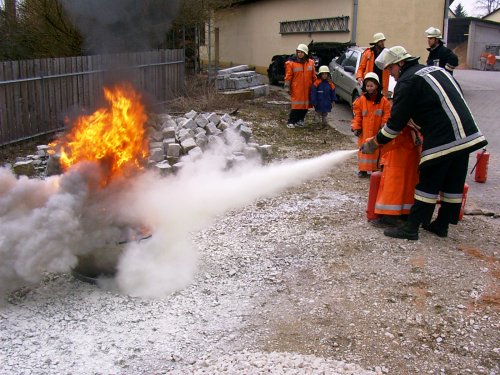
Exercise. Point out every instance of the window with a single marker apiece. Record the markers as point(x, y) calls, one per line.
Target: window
point(318, 25)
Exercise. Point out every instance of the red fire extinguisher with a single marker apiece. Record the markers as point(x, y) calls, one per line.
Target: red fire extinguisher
point(464, 199)
point(481, 166)
point(375, 178)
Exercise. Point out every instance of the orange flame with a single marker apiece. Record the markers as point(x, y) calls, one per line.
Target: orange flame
point(113, 136)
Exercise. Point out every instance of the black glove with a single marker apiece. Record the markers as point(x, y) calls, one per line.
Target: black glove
point(357, 132)
point(369, 146)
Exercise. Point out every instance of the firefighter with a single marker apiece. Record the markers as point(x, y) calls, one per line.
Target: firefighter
point(367, 63)
point(299, 77)
point(371, 111)
point(431, 98)
point(439, 55)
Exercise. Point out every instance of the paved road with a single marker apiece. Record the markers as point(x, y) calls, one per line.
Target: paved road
point(482, 92)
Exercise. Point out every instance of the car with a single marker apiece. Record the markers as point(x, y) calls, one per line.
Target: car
point(343, 71)
point(322, 53)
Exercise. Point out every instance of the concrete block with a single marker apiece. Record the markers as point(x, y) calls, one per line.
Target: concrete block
point(163, 168)
point(168, 124)
point(223, 125)
point(243, 74)
point(156, 154)
point(177, 166)
point(201, 121)
point(188, 144)
point(195, 153)
point(191, 114)
point(262, 90)
point(251, 152)
point(168, 132)
point(266, 150)
point(173, 150)
point(234, 69)
point(246, 82)
point(156, 135)
point(155, 145)
point(246, 132)
point(189, 124)
point(227, 119)
point(212, 129)
point(213, 117)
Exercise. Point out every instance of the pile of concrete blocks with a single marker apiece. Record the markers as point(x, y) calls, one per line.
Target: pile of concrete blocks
point(238, 79)
point(173, 142)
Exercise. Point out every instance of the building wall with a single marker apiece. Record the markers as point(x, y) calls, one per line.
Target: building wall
point(481, 35)
point(249, 34)
point(495, 16)
point(402, 22)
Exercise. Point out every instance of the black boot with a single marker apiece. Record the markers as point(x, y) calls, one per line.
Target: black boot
point(407, 231)
point(438, 228)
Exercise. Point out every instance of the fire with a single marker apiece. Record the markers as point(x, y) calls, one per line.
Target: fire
point(113, 136)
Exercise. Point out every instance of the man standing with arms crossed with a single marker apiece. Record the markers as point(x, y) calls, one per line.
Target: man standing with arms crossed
point(431, 98)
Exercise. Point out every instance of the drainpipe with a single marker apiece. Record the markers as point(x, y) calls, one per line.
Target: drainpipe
point(355, 21)
point(445, 21)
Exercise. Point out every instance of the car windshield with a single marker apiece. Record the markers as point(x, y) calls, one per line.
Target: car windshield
point(350, 59)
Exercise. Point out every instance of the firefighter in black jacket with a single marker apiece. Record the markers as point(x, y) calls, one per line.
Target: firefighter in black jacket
point(432, 100)
point(439, 55)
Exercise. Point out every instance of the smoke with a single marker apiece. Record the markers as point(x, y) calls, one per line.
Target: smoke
point(111, 26)
point(46, 224)
point(175, 207)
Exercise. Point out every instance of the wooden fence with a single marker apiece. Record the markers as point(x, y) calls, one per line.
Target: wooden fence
point(36, 95)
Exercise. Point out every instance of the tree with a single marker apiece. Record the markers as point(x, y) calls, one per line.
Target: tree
point(487, 6)
point(459, 11)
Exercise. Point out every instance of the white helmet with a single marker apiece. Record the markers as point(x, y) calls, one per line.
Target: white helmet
point(373, 76)
point(377, 37)
point(390, 56)
point(323, 69)
point(303, 48)
point(432, 32)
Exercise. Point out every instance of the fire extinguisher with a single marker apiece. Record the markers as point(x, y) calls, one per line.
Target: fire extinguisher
point(481, 166)
point(464, 199)
point(375, 178)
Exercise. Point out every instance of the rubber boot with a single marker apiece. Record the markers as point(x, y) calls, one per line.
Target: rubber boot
point(437, 227)
point(407, 231)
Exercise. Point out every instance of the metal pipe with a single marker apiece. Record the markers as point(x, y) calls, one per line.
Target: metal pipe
point(354, 21)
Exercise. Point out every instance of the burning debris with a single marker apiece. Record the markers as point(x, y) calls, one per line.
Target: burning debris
point(189, 170)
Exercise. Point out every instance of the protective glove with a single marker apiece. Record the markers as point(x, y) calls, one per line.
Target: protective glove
point(360, 81)
point(357, 132)
point(287, 86)
point(369, 146)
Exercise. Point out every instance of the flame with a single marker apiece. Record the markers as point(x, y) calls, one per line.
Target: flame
point(113, 136)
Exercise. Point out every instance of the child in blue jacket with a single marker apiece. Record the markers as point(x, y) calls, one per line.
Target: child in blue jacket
point(323, 95)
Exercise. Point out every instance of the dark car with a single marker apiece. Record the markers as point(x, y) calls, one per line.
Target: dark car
point(322, 53)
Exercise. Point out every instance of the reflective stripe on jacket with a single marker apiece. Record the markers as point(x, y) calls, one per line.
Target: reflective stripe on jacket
point(443, 57)
point(400, 158)
point(301, 76)
point(369, 117)
point(432, 99)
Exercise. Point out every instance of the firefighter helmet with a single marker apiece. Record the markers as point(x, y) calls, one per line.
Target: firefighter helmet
point(432, 32)
point(377, 37)
point(303, 48)
point(391, 56)
point(373, 76)
point(323, 69)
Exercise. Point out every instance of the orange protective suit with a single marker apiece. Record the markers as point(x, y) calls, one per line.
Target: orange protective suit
point(369, 118)
point(400, 159)
point(366, 66)
point(301, 76)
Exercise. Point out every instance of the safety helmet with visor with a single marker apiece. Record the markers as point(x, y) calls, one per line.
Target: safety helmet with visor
point(390, 56)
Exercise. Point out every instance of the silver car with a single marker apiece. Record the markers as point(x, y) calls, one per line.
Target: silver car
point(343, 70)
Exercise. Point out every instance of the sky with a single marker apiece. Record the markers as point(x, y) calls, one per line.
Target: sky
point(469, 6)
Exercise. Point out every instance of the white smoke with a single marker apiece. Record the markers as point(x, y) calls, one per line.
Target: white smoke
point(175, 207)
point(46, 224)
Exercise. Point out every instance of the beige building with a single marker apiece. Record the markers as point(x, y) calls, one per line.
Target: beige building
point(252, 31)
point(493, 16)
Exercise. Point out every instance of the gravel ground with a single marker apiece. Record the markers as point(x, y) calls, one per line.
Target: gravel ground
point(298, 283)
